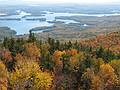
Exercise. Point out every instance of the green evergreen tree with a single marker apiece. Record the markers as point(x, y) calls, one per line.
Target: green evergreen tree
point(32, 37)
point(99, 52)
point(65, 60)
point(46, 61)
point(6, 42)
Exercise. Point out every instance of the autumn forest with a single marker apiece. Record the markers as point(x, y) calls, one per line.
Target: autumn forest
point(89, 64)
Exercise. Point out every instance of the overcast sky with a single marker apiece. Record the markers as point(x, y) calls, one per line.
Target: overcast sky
point(60, 1)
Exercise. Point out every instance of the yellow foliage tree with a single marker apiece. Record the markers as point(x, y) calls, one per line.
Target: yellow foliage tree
point(3, 77)
point(27, 75)
point(116, 65)
point(96, 83)
point(108, 76)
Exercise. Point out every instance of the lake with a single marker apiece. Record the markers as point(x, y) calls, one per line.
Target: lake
point(22, 26)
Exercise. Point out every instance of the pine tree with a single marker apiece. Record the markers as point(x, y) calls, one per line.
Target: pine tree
point(32, 37)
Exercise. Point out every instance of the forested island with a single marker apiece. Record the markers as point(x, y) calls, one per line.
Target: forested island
point(6, 32)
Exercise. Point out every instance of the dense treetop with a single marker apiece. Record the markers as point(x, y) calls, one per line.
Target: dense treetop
point(33, 64)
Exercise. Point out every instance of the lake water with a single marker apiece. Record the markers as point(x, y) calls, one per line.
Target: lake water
point(23, 26)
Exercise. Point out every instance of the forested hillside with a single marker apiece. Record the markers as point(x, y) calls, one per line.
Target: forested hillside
point(109, 41)
point(6, 32)
point(33, 64)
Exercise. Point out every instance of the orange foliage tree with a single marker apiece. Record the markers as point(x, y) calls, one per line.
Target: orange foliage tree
point(3, 77)
point(31, 50)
